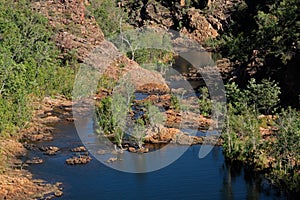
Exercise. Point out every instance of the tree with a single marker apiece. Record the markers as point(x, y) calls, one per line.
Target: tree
point(138, 132)
point(286, 151)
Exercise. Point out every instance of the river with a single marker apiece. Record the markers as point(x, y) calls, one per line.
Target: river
point(187, 178)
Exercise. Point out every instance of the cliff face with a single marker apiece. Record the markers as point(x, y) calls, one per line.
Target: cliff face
point(199, 21)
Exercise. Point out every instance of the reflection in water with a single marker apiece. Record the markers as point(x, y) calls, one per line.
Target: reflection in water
point(182, 66)
point(227, 191)
point(256, 184)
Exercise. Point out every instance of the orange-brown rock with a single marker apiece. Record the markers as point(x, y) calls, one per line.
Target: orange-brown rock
point(35, 160)
point(112, 159)
point(81, 159)
point(160, 134)
point(79, 149)
point(157, 100)
point(74, 30)
point(50, 150)
point(132, 149)
point(199, 28)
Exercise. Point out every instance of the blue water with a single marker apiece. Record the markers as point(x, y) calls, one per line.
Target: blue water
point(187, 178)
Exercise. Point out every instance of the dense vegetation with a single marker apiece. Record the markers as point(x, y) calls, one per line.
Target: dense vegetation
point(30, 67)
point(263, 38)
point(268, 143)
point(271, 27)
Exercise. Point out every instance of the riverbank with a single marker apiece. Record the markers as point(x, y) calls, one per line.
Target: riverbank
point(16, 182)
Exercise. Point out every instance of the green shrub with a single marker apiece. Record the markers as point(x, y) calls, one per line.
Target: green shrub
point(278, 155)
point(107, 15)
point(112, 116)
point(138, 132)
point(286, 151)
point(205, 103)
point(174, 104)
point(242, 139)
point(262, 97)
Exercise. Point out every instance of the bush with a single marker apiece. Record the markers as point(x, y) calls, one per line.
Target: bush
point(107, 15)
point(242, 139)
point(272, 27)
point(112, 116)
point(278, 155)
point(286, 151)
point(205, 103)
point(262, 97)
point(138, 132)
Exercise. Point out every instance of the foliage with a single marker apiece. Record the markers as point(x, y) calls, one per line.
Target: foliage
point(279, 154)
point(145, 45)
point(106, 82)
point(262, 97)
point(236, 97)
point(205, 104)
point(242, 139)
point(138, 132)
point(29, 63)
point(174, 104)
point(152, 117)
point(286, 151)
point(155, 116)
point(108, 16)
point(111, 117)
point(272, 27)
point(104, 118)
point(144, 56)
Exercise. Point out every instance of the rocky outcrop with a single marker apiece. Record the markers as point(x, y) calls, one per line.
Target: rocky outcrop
point(79, 149)
point(112, 159)
point(138, 150)
point(107, 60)
point(158, 14)
point(50, 150)
point(81, 159)
point(199, 20)
point(146, 81)
point(76, 33)
point(35, 160)
point(161, 134)
point(20, 185)
point(197, 27)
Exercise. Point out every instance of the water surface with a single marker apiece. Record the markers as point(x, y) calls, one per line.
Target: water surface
point(187, 178)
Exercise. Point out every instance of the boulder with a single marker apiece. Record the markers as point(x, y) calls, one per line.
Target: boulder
point(112, 159)
point(198, 28)
point(81, 159)
point(143, 150)
point(132, 149)
point(50, 150)
point(79, 149)
point(35, 160)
